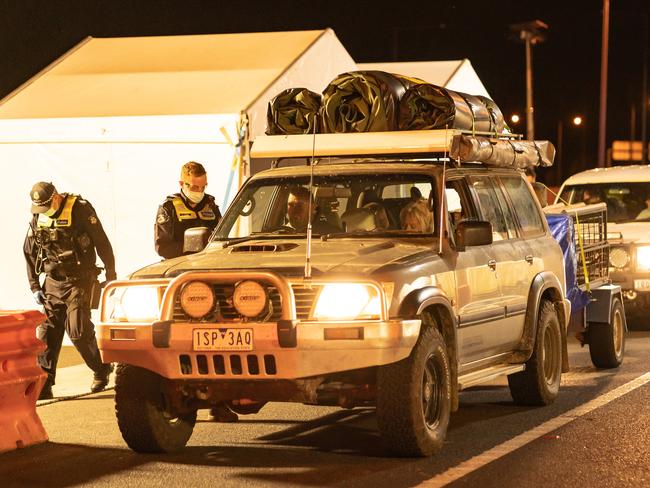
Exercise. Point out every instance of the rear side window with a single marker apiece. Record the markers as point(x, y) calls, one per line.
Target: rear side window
point(523, 201)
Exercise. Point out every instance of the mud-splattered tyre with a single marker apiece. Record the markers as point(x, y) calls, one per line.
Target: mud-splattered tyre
point(145, 424)
point(539, 383)
point(414, 398)
point(607, 341)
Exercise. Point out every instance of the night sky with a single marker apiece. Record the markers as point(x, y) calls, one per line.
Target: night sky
point(34, 33)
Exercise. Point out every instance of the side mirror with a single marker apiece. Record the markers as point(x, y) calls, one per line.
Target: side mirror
point(473, 233)
point(195, 239)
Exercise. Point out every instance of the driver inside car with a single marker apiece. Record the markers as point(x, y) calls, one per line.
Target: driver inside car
point(298, 213)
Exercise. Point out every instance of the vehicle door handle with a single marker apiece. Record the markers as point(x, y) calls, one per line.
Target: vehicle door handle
point(529, 259)
point(492, 264)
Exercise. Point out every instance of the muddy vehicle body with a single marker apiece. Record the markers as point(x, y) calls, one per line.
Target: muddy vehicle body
point(357, 312)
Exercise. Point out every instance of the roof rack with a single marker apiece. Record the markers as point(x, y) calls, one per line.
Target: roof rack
point(492, 149)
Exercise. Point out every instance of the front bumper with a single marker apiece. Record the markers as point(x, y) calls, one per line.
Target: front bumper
point(315, 348)
point(380, 342)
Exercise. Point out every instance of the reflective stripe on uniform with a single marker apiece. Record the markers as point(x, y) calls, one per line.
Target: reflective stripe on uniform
point(63, 220)
point(184, 213)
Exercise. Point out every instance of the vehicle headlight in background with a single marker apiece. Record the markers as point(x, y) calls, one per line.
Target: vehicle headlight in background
point(197, 299)
point(341, 301)
point(643, 257)
point(133, 304)
point(618, 257)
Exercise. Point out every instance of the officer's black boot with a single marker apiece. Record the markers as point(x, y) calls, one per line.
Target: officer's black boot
point(100, 380)
point(46, 391)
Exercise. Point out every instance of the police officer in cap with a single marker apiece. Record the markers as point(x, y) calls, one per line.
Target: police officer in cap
point(63, 240)
point(191, 207)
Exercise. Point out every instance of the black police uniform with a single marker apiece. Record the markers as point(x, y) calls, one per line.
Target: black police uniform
point(175, 216)
point(63, 247)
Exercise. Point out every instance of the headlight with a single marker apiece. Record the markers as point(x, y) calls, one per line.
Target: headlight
point(619, 257)
point(133, 304)
point(249, 298)
point(347, 301)
point(197, 299)
point(643, 257)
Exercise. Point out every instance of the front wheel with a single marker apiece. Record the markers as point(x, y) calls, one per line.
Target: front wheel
point(142, 416)
point(539, 383)
point(414, 398)
point(607, 340)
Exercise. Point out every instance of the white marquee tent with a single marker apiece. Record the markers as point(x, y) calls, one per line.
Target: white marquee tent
point(114, 119)
point(458, 75)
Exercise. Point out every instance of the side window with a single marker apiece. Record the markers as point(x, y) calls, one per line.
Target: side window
point(489, 205)
point(523, 200)
point(511, 224)
point(458, 205)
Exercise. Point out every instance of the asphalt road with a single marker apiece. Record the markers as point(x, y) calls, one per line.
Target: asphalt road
point(596, 434)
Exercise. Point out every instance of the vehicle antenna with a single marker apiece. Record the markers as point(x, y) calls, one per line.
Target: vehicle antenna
point(311, 186)
point(442, 191)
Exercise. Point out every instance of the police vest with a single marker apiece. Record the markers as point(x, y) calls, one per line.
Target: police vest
point(184, 213)
point(63, 220)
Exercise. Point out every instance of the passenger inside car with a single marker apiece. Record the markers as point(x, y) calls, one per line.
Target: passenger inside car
point(645, 213)
point(417, 217)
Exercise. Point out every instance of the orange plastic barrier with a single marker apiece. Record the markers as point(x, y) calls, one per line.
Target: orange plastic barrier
point(21, 380)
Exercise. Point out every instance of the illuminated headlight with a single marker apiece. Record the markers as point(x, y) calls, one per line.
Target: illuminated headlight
point(134, 304)
point(197, 299)
point(249, 298)
point(618, 257)
point(347, 301)
point(643, 257)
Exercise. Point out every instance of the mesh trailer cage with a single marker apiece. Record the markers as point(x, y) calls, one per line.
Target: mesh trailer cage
point(590, 224)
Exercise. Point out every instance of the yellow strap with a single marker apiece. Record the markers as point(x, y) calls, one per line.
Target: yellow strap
point(582, 254)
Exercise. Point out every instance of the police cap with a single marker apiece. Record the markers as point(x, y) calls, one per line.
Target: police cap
point(41, 195)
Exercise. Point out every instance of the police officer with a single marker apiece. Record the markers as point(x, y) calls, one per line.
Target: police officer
point(61, 241)
point(191, 207)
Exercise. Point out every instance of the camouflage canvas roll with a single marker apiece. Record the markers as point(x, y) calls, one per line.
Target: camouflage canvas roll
point(293, 111)
point(364, 101)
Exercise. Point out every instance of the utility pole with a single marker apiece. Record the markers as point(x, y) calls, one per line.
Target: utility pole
point(644, 92)
point(602, 121)
point(530, 33)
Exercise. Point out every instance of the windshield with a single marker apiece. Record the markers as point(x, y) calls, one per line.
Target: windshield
point(625, 201)
point(342, 205)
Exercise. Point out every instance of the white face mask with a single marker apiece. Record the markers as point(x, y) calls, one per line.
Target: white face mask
point(193, 196)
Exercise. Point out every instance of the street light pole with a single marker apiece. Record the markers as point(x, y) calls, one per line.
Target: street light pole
point(530, 33)
point(530, 124)
point(602, 122)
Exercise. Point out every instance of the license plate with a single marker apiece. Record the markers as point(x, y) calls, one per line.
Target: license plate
point(642, 285)
point(222, 339)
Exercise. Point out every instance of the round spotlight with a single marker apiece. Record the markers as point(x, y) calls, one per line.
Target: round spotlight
point(514, 118)
point(618, 257)
point(197, 299)
point(577, 120)
point(249, 298)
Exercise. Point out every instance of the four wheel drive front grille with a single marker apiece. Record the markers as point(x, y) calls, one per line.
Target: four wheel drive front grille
point(224, 310)
point(227, 364)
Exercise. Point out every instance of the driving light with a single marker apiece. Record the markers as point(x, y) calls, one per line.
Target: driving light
point(197, 299)
point(618, 257)
point(643, 257)
point(249, 298)
point(347, 301)
point(134, 304)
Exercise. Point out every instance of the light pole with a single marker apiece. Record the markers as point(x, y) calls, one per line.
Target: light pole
point(530, 33)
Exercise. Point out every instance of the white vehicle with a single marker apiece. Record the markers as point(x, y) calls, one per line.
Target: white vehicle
point(626, 191)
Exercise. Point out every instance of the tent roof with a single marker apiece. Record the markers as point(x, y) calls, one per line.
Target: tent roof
point(169, 75)
point(456, 75)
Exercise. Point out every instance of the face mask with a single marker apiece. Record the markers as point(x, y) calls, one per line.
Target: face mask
point(52, 210)
point(193, 196)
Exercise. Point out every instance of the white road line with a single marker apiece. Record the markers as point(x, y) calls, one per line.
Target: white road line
point(509, 446)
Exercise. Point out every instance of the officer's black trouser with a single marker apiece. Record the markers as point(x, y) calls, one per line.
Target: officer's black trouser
point(67, 307)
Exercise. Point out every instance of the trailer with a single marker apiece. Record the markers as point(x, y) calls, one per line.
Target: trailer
point(597, 313)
